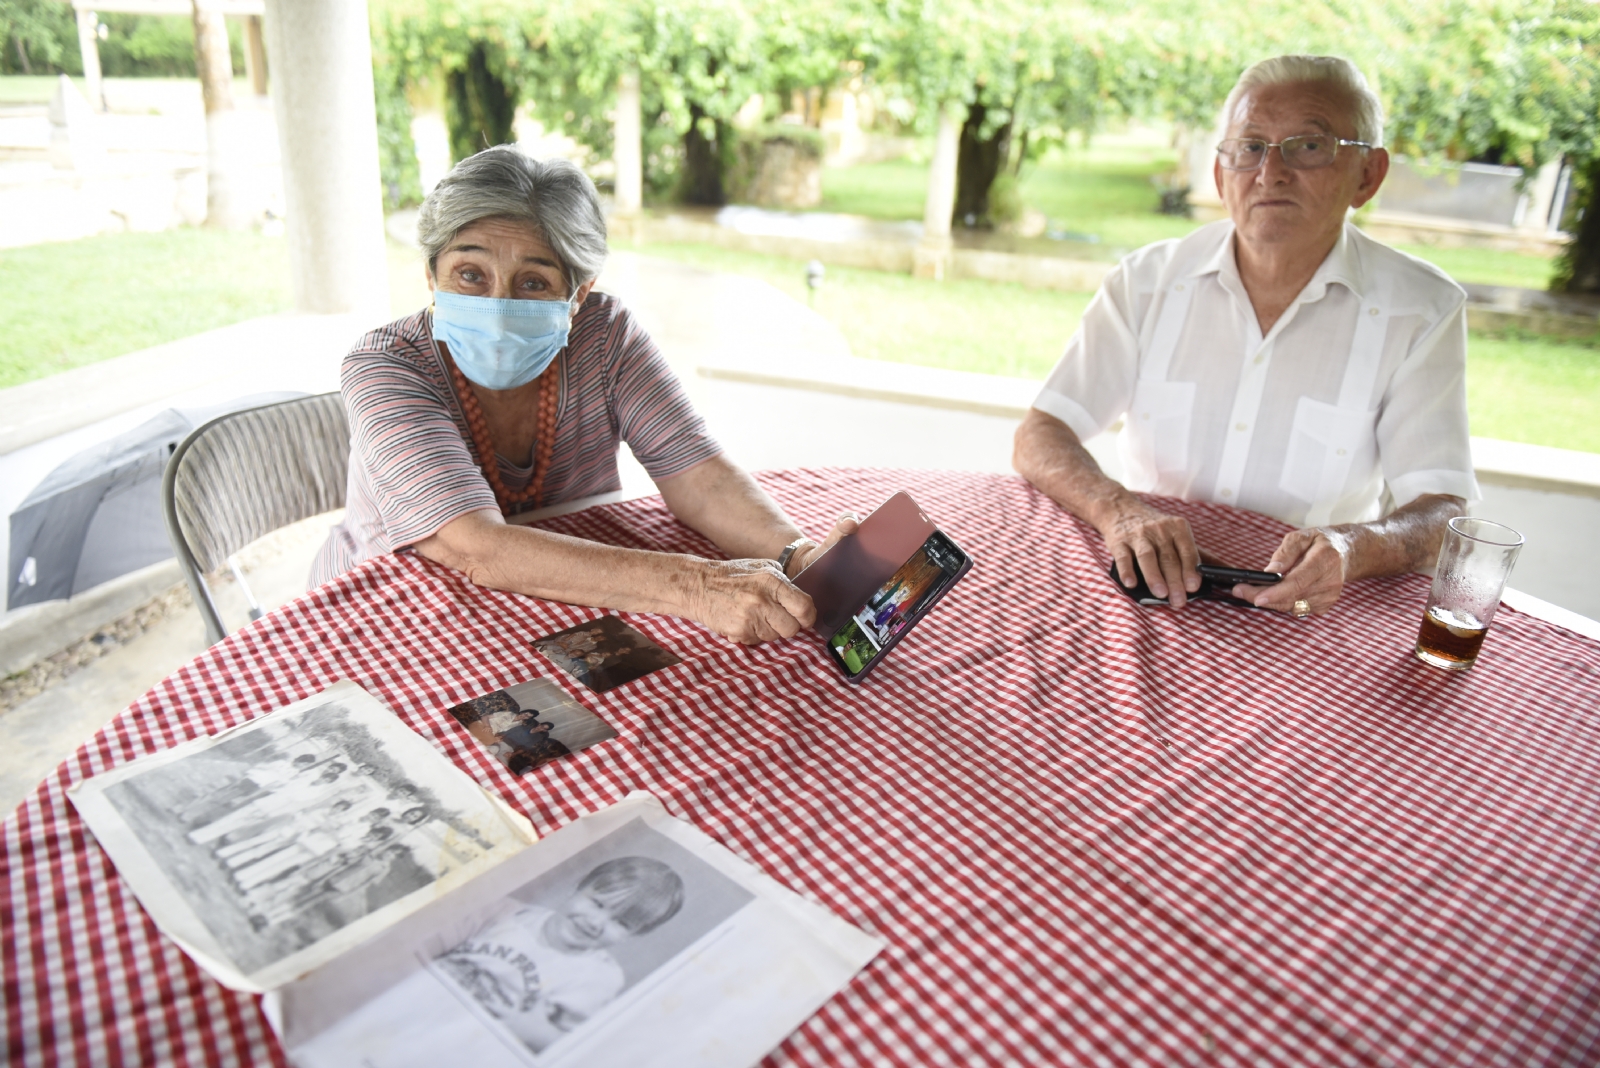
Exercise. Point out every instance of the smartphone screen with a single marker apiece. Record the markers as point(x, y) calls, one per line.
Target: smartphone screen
point(896, 605)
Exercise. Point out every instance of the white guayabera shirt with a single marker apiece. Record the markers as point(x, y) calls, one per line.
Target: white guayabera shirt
point(1354, 402)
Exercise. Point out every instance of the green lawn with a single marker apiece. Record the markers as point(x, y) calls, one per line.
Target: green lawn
point(77, 302)
point(1107, 193)
point(896, 317)
point(1533, 389)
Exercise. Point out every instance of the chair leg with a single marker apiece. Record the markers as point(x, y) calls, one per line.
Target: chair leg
point(250, 598)
point(206, 604)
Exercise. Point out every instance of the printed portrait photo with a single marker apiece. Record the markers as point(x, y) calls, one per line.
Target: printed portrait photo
point(607, 920)
point(531, 724)
point(604, 653)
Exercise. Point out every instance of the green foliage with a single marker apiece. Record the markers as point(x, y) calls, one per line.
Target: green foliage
point(38, 37)
point(397, 153)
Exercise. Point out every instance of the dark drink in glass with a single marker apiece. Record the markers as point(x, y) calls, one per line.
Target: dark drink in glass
point(1449, 640)
point(1475, 559)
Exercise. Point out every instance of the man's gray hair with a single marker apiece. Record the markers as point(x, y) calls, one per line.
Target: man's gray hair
point(556, 198)
point(1297, 70)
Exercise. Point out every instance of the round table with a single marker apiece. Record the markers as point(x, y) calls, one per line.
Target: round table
point(1091, 832)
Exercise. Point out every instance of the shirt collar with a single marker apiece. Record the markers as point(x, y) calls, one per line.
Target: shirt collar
point(1343, 266)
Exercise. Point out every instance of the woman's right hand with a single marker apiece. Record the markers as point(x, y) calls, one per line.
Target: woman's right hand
point(748, 601)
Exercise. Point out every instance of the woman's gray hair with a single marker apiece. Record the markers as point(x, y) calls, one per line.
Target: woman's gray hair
point(503, 182)
point(1297, 70)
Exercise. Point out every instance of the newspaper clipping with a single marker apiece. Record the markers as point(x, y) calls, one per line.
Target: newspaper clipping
point(626, 938)
point(269, 849)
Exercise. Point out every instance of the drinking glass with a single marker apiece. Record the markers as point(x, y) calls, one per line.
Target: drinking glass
point(1475, 560)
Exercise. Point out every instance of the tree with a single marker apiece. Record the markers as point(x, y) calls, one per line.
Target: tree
point(1518, 78)
point(42, 32)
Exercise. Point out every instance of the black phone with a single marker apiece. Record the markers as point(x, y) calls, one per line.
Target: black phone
point(890, 611)
point(1216, 584)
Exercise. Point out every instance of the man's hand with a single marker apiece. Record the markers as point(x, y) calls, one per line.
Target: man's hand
point(1049, 455)
point(748, 601)
point(1162, 544)
point(1314, 564)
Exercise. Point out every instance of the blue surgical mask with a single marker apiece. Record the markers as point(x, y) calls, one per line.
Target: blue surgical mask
point(501, 344)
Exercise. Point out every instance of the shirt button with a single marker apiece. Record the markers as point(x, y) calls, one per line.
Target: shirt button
point(1240, 426)
point(1373, 311)
point(1227, 493)
point(1340, 452)
point(1261, 357)
point(1178, 288)
point(1144, 415)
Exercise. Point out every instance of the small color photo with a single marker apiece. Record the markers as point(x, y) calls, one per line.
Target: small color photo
point(530, 724)
point(604, 653)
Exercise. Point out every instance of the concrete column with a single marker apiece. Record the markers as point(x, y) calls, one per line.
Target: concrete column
point(321, 59)
point(89, 45)
point(932, 256)
point(228, 195)
point(1535, 204)
point(255, 55)
point(628, 155)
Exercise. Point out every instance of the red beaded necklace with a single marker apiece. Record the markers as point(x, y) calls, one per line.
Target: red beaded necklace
point(483, 442)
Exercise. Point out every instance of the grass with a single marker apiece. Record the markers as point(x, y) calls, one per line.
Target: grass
point(1529, 388)
point(75, 303)
point(1106, 192)
point(1536, 389)
point(989, 327)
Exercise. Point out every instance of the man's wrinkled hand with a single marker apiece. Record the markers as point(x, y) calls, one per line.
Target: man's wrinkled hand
point(1313, 564)
point(749, 601)
point(1161, 545)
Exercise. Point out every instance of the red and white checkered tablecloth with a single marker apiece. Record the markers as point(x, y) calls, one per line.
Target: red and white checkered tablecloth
point(1092, 833)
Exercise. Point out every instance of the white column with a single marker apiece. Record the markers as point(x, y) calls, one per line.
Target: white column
point(321, 60)
point(89, 45)
point(628, 153)
point(1536, 202)
point(932, 256)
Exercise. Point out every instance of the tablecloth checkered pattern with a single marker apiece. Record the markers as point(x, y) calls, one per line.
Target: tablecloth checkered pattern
point(1092, 833)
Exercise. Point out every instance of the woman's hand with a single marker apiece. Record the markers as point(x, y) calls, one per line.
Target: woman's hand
point(803, 556)
point(748, 601)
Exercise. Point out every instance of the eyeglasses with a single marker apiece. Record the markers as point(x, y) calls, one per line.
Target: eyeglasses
point(1304, 153)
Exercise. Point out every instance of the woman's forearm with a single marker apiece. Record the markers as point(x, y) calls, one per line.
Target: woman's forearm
point(538, 563)
point(718, 499)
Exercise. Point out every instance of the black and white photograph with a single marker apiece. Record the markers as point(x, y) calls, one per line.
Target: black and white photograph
point(286, 831)
point(627, 938)
point(530, 724)
point(573, 940)
point(604, 653)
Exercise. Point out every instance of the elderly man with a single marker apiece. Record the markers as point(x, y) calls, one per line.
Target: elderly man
point(1280, 360)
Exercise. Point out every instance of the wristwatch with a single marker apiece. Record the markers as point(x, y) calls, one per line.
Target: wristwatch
point(788, 551)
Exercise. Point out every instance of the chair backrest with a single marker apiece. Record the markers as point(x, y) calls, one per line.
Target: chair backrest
point(245, 474)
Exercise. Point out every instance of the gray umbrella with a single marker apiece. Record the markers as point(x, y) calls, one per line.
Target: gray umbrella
point(98, 515)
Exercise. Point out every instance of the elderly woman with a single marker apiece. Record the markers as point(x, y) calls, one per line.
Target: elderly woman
point(513, 391)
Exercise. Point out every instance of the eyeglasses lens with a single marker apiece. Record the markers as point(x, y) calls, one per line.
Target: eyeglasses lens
point(1299, 153)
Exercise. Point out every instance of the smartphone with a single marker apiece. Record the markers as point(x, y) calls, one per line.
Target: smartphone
point(884, 617)
point(873, 586)
point(1216, 584)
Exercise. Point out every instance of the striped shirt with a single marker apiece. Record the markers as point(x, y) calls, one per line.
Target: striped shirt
point(413, 467)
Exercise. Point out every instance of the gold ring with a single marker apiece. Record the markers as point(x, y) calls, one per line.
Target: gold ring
point(1302, 608)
